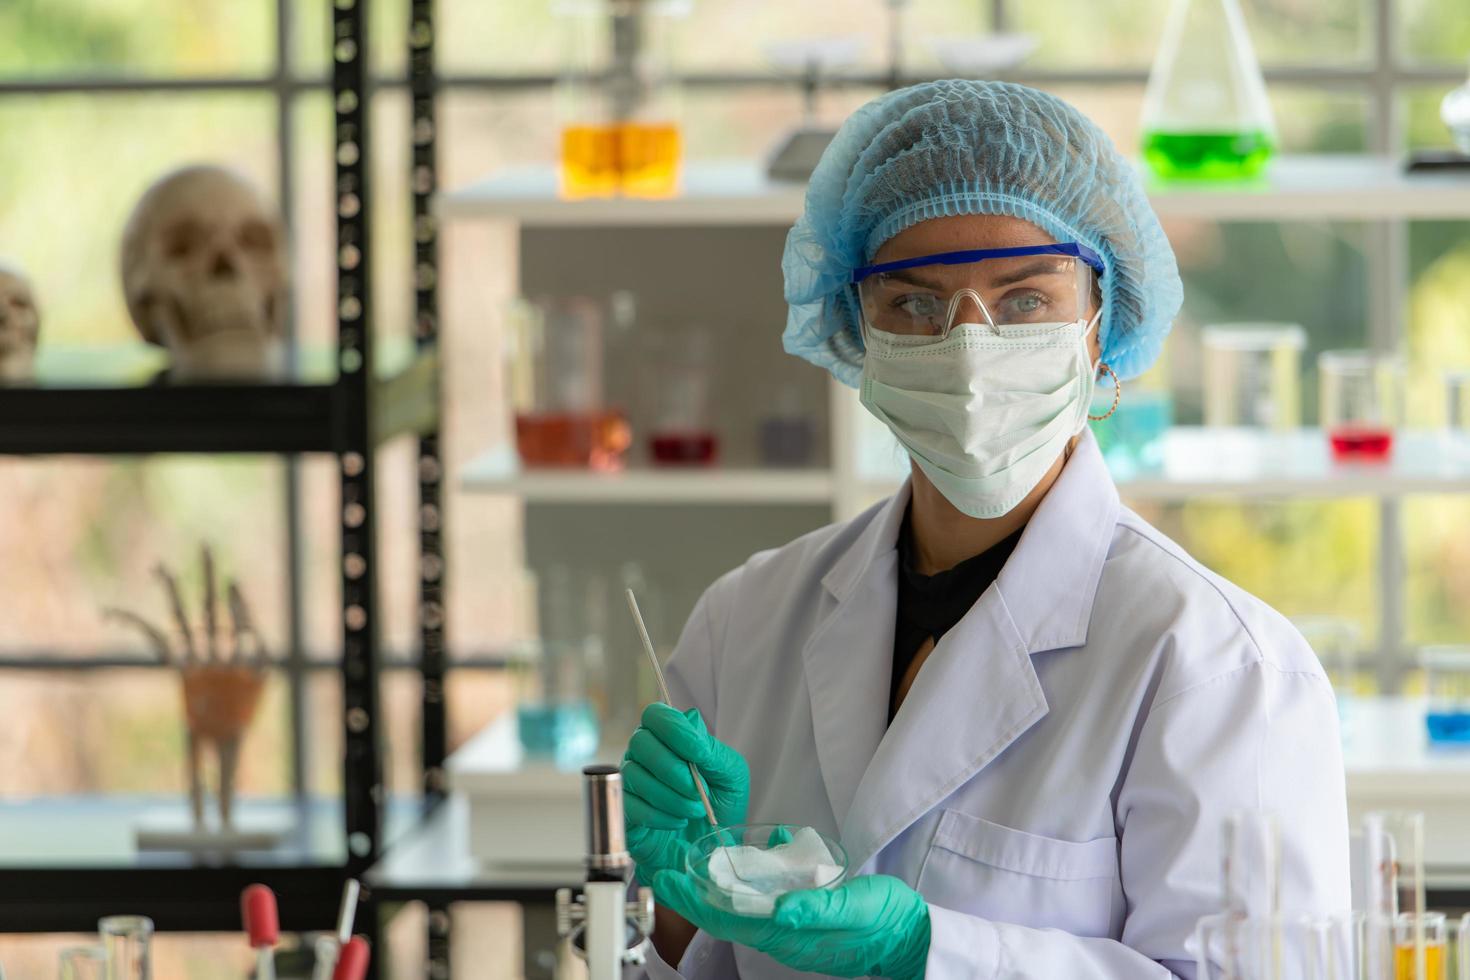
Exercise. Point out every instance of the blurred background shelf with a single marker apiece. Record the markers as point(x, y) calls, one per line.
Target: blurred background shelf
point(498, 472)
point(222, 418)
point(67, 859)
point(1308, 187)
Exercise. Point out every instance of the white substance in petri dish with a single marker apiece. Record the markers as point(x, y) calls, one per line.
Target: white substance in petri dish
point(764, 874)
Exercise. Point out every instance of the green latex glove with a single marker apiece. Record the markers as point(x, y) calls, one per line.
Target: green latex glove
point(871, 926)
point(661, 805)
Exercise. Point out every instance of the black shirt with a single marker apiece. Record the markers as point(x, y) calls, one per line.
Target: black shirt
point(929, 605)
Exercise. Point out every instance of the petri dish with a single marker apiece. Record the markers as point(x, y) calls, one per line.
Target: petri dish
point(743, 869)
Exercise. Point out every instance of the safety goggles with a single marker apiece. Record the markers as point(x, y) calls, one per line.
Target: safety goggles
point(923, 298)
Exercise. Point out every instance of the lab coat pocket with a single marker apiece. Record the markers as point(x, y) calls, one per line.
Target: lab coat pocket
point(1007, 875)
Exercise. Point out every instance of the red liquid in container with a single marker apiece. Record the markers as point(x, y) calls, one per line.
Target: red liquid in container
point(1361, 443)
point(589, 440)
point(696, 447)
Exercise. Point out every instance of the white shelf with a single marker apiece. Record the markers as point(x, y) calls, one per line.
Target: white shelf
point(1203, 462)
point(1199, 462)
point(1196, 462)
point(498, 472)
point(1346, 187)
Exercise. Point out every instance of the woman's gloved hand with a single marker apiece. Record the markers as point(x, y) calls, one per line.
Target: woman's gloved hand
point(661, 805)
point(874, 925)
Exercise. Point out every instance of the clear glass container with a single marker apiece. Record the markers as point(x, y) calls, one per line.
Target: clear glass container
point(1457, 402)
point(1253, 374)
point(1338, 644)
point(682, 433)
point(1205, 113)
point(1318, 947)
point(1362, 402)
point(617, 97)
point(744, 868)
point(1455, 111)
point(1393, 876)
point(127, 941)
point(554, 369)
point(1447, 684)
point(556, 711)
point(788, 433)
point(83, 963)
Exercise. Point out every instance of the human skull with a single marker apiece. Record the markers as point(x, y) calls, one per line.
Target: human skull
point(205, 275)
point(20, 325)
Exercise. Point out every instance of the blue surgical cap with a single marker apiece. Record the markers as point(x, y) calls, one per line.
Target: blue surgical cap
point(972, 147)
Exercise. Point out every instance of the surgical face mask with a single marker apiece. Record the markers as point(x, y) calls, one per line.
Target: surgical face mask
point(984, 413)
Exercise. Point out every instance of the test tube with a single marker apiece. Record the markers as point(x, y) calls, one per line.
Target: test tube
point(126, 939)
point(1393, 848)
point(83, 963)
point(1464, 955)
point(1251, 870)
point(1419, 946)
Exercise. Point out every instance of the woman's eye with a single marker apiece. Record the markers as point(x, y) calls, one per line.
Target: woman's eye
point(1026, 304)
point(919, 304)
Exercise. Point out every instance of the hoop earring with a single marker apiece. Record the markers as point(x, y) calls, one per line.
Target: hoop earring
point(1117, 394)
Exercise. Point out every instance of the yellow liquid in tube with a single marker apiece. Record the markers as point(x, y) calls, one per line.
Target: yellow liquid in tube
point(1404, 965)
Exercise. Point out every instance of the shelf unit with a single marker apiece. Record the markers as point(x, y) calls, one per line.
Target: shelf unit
point(347, 418)
point(719, 193)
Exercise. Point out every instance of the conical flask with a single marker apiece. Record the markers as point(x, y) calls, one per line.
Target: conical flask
point(1205, 114)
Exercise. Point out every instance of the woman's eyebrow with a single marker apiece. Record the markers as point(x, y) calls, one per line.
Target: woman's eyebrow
point(913, 278)
point(1041, 267)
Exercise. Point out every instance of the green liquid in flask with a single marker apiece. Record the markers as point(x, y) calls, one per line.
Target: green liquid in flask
point(1207, 156)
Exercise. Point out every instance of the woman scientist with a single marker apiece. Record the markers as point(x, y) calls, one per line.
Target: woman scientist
point(1023, 711)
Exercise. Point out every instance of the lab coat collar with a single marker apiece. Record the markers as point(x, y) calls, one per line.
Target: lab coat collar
point(1051, 579)
point(978, 692)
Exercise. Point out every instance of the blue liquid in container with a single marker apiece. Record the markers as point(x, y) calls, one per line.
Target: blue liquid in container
point(1449, 727)
point(564, 732)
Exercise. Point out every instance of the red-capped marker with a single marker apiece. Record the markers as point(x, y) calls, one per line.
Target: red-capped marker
point(262, 927)
point(352, 961)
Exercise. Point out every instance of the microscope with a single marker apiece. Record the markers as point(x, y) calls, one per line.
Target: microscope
point(604, 928)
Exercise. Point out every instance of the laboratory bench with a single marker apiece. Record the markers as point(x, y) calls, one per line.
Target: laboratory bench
point(527, 813)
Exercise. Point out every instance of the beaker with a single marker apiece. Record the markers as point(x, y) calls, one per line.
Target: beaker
point(682, 434)
point(1362, 402)
point(555, 714)
point(618, 100)
point(788, 433)
point(1205, 112)
point(1457, 402)
point(126, 941)
point(1447, 684)
point(554, 366)
point(1253, 374)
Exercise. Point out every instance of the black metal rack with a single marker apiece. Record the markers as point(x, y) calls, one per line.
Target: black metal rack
point(349, 418)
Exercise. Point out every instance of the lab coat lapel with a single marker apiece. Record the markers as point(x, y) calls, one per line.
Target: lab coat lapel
point(848, 658)
point(978, 691)
point(976, 694)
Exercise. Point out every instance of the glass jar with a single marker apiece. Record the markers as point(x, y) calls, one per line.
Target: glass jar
point(556, 713)
point(1447, 684)
point(617, 98)
point(1362, 402)
point(682, 433)
point(554, 370)
point(1253, 374)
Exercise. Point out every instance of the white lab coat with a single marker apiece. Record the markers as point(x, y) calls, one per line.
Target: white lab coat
point(1055, 783)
